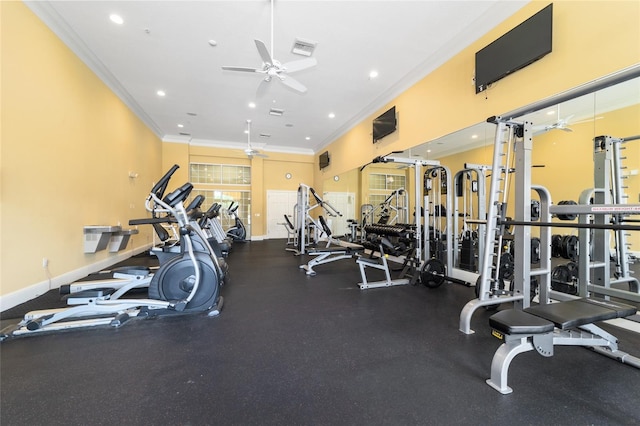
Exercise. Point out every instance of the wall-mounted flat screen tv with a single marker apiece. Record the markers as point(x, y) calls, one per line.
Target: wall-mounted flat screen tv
point(384, 125)
point(324, 160)
point(523, 45)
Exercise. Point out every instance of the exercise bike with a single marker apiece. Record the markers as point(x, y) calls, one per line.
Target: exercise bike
point(188, 283)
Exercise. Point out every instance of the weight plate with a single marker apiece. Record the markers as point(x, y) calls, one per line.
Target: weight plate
point(556, 245)
point(535, 250)
point(506, 266)
point(433, 273)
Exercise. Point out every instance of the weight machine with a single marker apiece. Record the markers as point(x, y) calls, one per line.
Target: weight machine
point(418, 259)
point(469, 204)
point(540, 328)
point(304, 223)
point(394, 209)
point(608, 189)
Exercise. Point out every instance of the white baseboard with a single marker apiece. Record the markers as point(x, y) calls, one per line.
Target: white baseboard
point(25, 294)
point(258, 237)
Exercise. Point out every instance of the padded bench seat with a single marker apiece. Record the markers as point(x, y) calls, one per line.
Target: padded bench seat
point(515, 321)
point(542, 327)
point(565, 315)
point(574, 313)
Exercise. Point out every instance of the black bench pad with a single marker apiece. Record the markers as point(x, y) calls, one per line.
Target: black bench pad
point(335, 250)
point(515, 321)
point(579, 312)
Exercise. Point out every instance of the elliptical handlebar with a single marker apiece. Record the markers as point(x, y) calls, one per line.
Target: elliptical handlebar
point(195, 203)
point(160, 187)
point(170, 203)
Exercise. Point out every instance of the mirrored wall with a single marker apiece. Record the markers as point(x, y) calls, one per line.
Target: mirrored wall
point(562, 155)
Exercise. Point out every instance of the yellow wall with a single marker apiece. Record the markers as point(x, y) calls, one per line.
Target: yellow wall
point(266, 173)
point(68, 142)
point(590, 39)
point(68, 145)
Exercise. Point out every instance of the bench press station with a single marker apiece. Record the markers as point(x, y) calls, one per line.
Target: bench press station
point(542, 327)
point(330, 254)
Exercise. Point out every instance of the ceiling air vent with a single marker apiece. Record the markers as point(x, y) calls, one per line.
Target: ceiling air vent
point(265, 135)
point(277, 112)
point(303, 47)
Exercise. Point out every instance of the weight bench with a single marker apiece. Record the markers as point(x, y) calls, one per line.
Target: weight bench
point(330, 254)
point(382, 231)
point(542, 327)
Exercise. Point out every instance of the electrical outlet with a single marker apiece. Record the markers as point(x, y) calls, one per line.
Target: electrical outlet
point(45, 262)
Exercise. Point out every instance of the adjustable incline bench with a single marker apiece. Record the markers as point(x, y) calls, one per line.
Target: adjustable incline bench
point(544, 326)
point(330, 254)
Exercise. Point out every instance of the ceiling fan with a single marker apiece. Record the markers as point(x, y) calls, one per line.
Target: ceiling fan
point(273, 68)
point(249, 150)
point(559, 124)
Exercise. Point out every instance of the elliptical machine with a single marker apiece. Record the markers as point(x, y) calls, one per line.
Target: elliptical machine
point(187, 283)
point(237, 232)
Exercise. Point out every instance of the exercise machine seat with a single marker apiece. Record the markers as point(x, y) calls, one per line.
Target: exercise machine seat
point(579, 312)
point(515, 321)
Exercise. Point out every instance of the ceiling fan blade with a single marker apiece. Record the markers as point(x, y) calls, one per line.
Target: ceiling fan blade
point(243, 69)
point(294, 84)
point(263, 87)
point(299, 65)
point(264, 53)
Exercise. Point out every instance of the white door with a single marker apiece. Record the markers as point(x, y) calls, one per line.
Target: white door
point(279, 203)
point(344, 202)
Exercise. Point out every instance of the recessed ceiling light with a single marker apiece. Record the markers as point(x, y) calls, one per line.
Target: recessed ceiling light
point(308, 138)
point(116, 19)
point(332, 115)
point(474, 136)
point(428, 150)
point(213, 43)
point(246, 132)
point(161, 93)
point(551, 112)
point(252, 105)
point(181, 125)
point(373, 74)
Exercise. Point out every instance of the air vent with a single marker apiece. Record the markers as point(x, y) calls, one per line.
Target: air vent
point(303, 47)
point(185, 134)
point(277, 112)
point(193, 114)
point(265, 135)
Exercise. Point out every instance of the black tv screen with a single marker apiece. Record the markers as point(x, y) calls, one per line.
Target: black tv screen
point(324, 160)
point(523, 45)
point(384, 125)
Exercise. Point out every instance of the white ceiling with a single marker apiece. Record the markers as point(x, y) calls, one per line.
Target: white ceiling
point(164, 45)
